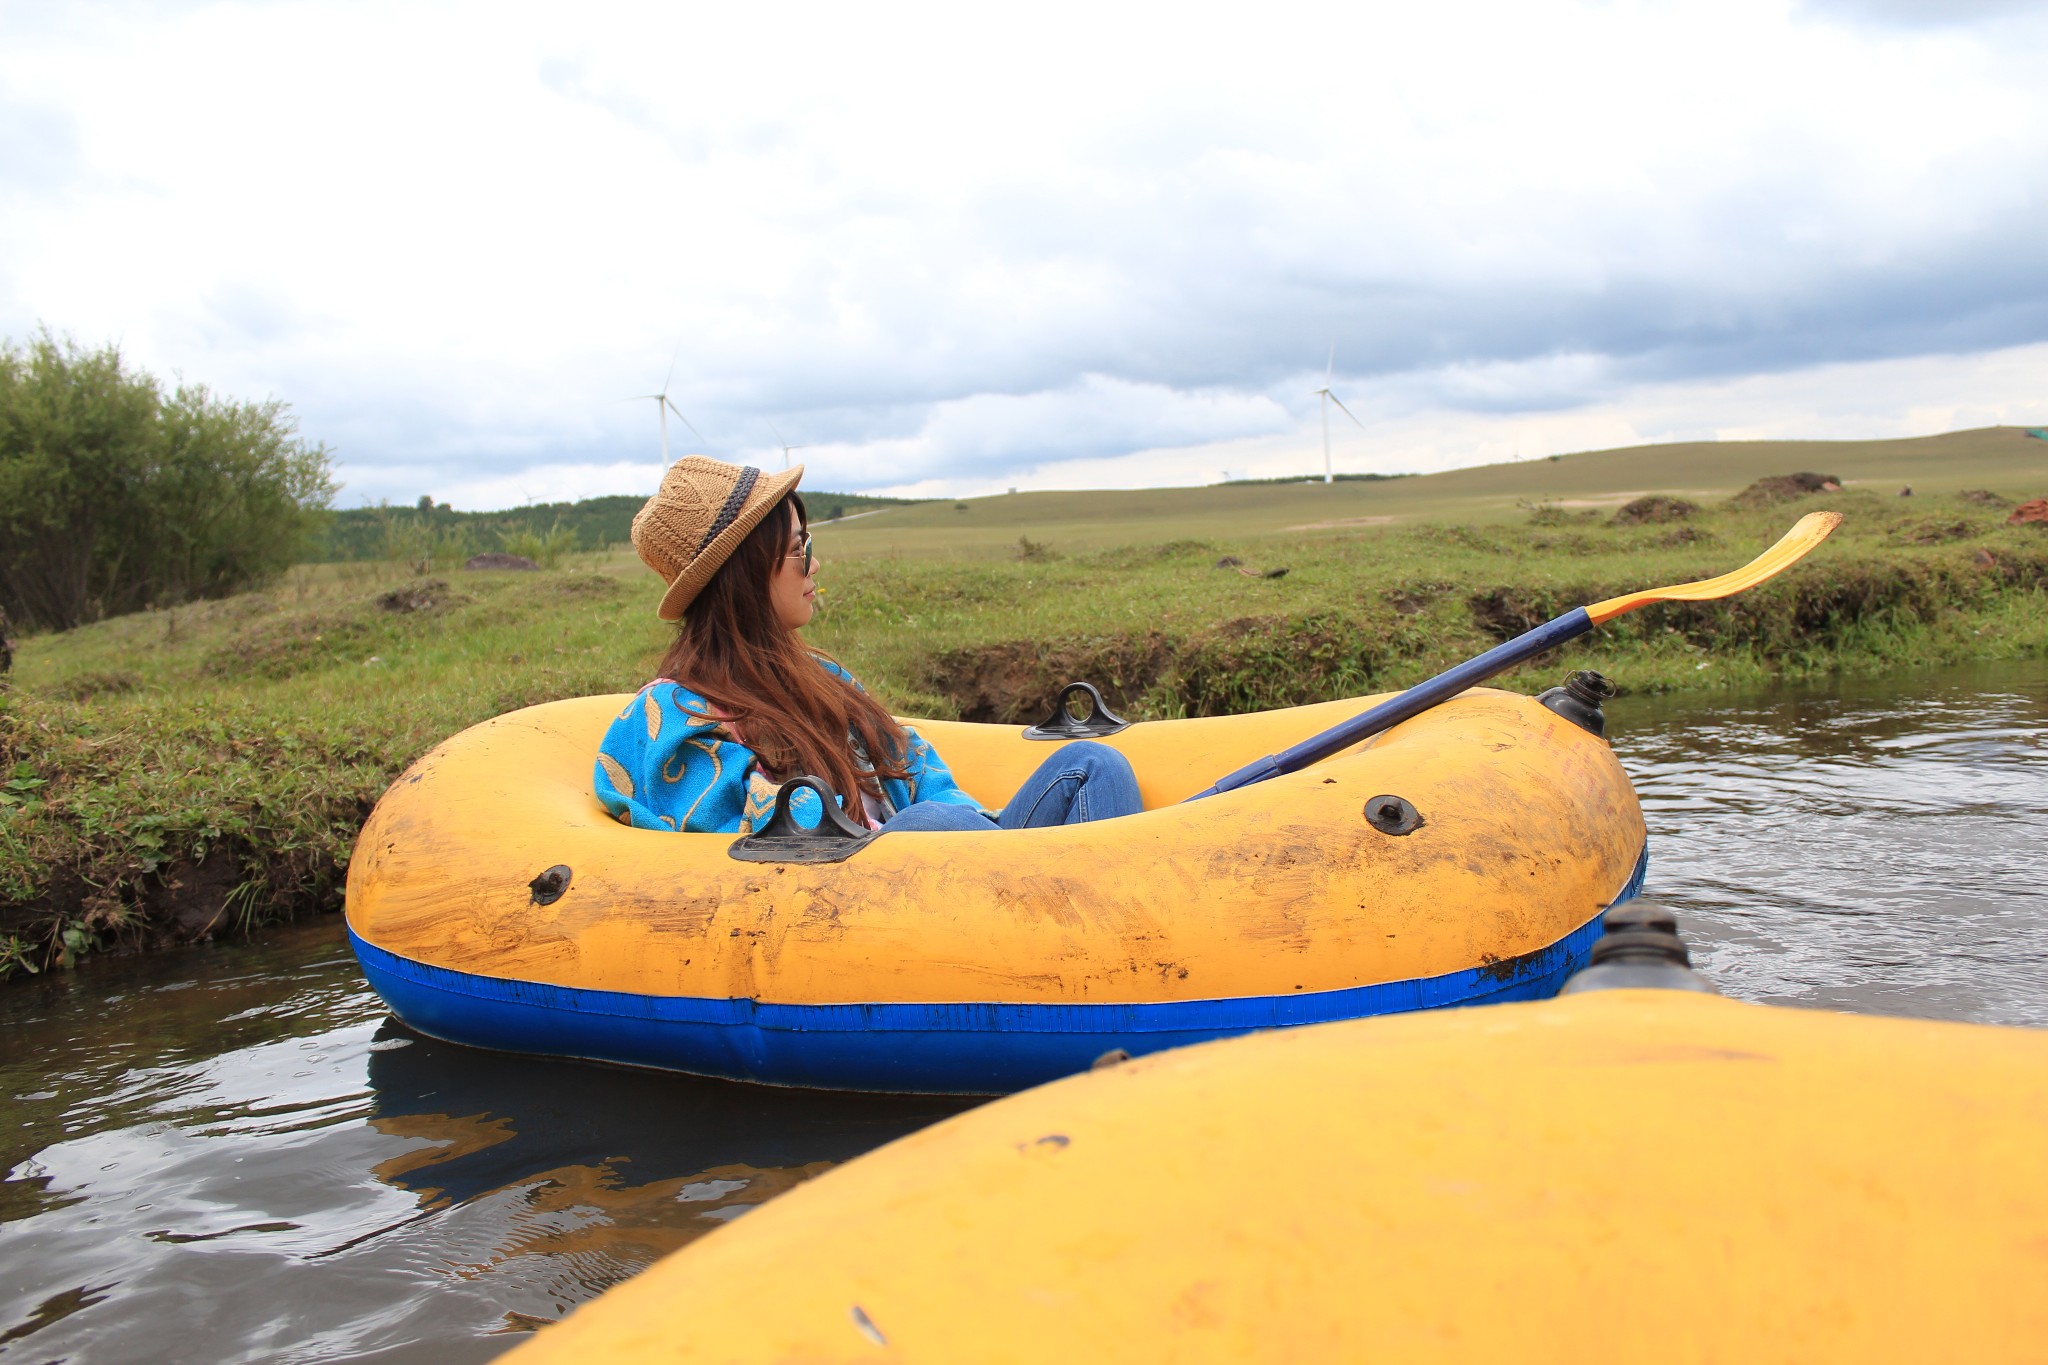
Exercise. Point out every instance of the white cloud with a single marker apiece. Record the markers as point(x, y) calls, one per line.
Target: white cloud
point(979, 248)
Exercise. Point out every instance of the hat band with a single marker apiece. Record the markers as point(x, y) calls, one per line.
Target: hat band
point(734, 501)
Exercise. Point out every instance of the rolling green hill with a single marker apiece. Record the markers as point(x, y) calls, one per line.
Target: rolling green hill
point(2004, 460)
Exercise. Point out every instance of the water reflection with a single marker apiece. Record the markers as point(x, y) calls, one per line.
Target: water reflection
point(252, 1162)
point(231, 1153)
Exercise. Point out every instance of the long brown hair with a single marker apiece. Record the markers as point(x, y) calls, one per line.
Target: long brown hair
point(731, 649)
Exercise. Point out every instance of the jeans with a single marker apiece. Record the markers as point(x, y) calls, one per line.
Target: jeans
point(1079, 781)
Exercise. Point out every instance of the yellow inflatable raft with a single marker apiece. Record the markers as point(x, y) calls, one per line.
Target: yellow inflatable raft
point(1616, 1176)
point(1465, 855)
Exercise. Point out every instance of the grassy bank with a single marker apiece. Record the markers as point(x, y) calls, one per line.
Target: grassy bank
point(178, 774)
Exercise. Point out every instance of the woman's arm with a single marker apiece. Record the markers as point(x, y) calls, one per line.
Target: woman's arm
point(666, 764)
point(930, 778)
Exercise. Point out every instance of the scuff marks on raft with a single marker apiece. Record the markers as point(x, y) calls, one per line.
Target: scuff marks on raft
point(1506, 971)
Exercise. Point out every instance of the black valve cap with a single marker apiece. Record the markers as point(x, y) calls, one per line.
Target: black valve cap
point(1639, 949)
point(1641, 932)
point(1578, 700)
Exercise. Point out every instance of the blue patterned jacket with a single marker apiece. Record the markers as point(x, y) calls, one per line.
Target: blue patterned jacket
point(665, 763)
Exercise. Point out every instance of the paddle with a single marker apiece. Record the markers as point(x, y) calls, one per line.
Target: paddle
point(1810, 531)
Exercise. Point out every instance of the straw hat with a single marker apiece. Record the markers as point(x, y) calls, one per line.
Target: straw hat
point(699, 517)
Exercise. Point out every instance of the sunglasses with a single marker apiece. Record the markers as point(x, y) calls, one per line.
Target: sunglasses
point(803, 547)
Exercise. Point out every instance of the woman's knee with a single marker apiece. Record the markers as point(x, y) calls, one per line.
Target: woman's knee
point(1100, 757)
point(936, 817)
point(1109, 787)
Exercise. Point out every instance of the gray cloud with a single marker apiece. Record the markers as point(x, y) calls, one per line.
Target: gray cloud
point(1532, 346)
point(1984, 290)
point(927, 270)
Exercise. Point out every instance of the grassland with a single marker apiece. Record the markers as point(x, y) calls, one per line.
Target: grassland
point(2003, 459)
point(171, 775)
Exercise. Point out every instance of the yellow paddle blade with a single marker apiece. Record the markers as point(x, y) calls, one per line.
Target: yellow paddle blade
point(1810, 531)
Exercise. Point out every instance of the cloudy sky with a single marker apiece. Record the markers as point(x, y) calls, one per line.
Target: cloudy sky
point(952, 249)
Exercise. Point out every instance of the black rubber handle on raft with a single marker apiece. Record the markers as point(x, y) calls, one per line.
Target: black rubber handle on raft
point(1409, 704)
point(1061, 724)
point(782, 840)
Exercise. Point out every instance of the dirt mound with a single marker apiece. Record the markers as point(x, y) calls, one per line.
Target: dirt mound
point(1655, 510)
point(422, 595)
point(85, 686)
point(285, 647)
point(498, 559)
point(1785, 488)
point(1983, 497)
point(1548, 514)
point(589, 585)
point(2033, 513)
point(1934, 532)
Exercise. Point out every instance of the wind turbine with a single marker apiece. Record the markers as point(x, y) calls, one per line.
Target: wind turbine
point(1329, 398)
point(786, 446)
point(665, 407)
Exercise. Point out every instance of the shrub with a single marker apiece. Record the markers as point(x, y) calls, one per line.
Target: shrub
point(115, 495)
point(423, 543)
point(543, 548)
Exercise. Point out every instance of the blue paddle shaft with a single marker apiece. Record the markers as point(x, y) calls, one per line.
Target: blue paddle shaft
point(1409, 704)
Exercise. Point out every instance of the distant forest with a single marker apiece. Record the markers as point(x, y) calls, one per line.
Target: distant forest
point(1317, 478)
point(357, 533)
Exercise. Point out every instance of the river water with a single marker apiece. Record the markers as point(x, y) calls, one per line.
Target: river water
point(231, 1153)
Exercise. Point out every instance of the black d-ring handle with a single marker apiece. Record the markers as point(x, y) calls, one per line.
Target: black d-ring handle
point(1061, 724)
point(783, 840)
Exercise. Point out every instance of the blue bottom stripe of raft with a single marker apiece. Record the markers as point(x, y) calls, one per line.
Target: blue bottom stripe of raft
point(966, 1049)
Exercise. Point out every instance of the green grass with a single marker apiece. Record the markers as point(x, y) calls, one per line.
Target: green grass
point(204, 770)
point(1168, 633)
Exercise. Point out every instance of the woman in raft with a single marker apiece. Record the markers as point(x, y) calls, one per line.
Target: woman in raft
point(743, 705)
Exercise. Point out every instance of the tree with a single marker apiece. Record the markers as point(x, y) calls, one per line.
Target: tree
point(115, 495)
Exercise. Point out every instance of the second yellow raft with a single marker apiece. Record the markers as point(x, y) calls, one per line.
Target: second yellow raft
point(1625, 1175)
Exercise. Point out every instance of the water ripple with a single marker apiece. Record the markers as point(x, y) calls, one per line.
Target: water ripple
point(1874, 847)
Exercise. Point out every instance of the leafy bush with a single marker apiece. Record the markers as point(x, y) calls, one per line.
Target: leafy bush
point(116, 495)
point(421, 543)
point(545, 549)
